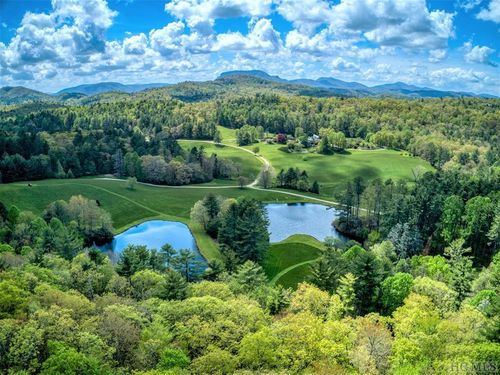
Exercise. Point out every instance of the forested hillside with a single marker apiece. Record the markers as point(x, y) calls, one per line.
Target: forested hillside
point(47, 141)
point(414, 290)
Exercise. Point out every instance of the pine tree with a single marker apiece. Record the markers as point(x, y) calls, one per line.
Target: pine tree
point(119, 164)
point(368, 272)
point(347, 293)
point(243, 229)
point(217, 137)
point(315, 187)
point(59, 173)
point(462, 271)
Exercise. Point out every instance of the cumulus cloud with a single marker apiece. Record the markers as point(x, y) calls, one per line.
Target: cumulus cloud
point(200, 14)
point(437, 55)
point(70, 33)
point(406, 23)
point(167, 41)
point(261, 37)
point(321, 43)
point(478, 54)
point(136, 44)
point(305, 15)
point(341, 64)
point(491, 12)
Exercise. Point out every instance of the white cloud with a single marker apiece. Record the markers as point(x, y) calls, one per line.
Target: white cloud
point(305, 15)
point(200, 14)
point(468, 5)
point(443, 76)
point(69, 34)
point(167, 41)
point(491, 13)
point(136, 44)
point(406, 23)
point(478, 54)
point(437, 55)
point(262, 37)
point(321, 43)
point(342, 65)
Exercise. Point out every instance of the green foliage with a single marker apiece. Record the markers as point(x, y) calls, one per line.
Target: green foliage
point(67, 361)
point(173, 359)
point(243, 229)
point(395, 289)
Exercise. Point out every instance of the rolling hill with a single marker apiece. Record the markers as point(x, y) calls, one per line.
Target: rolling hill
point(337, 86)
point(20, 94)
point(98, 88)
point(240, 81)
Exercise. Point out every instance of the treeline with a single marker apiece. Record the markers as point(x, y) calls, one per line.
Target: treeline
point(194, 167)
point(296, 179)
point(64, 228)
point(56, 141)
point(440, 208)
point(76, 141)
point(438, 130)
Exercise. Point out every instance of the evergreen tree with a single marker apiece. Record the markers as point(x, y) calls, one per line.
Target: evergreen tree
point(244, 230)
point(406, 240)
point(186, 264)
point(451, 218)
point(217, 137)
point(368, 272)
point(119, 166)
point(315, 187)
point(462, 271)
point(347, 293)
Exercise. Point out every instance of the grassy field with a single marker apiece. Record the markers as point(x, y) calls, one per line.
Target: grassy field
point(288, 261)
point(283, 256)
point(331, 171)
point(127, 207)
point(334, 171)
point(249, 164)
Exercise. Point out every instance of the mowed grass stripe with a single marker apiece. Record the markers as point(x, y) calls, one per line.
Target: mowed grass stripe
point(283, 256)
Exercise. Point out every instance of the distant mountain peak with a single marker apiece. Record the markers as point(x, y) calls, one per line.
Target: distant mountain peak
point(337, 86)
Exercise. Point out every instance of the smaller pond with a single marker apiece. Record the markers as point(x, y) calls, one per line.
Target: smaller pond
point(302, 218)
point(154, 234)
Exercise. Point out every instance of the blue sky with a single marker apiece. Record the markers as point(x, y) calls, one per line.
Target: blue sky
point(445, 44)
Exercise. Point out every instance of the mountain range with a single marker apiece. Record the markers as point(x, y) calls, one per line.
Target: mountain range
point(397, 89)
point(323, 86)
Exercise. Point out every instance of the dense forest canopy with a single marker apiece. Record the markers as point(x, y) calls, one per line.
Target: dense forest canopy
point(416, 290)
point(66, 309)
point(86, 138)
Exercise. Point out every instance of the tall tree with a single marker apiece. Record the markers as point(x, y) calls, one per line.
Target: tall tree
point(244, 229)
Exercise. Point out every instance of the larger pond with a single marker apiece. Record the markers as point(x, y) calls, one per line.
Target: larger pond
point(304, 218)
point(284, 221)
point(154, 234)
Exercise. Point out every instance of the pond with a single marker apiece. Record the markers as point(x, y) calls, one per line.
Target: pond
point(154, 234)
point(302, 218)
point(284, 221)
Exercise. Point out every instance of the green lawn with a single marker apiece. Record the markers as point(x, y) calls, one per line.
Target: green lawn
point(333, 171)
point(283, 255)
point(128, 207)
point(249, 164)
point(295, 276)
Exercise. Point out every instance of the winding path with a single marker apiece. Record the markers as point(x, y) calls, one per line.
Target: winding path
point(286, 270)
point(253, 185)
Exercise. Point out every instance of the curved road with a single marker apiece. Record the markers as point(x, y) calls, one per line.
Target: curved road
point(253, 185)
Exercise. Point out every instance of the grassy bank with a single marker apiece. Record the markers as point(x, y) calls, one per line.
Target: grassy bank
point(283, 259)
